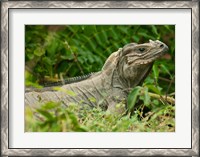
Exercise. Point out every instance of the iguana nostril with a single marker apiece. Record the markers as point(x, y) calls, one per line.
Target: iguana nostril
point(161, 45)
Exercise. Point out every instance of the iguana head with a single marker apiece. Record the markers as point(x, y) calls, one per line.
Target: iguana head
point(142, 54)
point(136, 60)
point(130, 65)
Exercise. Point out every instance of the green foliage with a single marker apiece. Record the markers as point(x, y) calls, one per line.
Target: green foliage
point(74, 50)
point(55, 118)
point(132, 98)
point(56, 52)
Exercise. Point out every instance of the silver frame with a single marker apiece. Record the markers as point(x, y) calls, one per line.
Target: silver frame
point(193, 5)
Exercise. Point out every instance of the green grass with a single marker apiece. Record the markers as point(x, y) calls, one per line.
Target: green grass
point(52, 117)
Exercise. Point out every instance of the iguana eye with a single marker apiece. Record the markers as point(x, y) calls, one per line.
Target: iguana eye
point(141, 49)
point(161, 45)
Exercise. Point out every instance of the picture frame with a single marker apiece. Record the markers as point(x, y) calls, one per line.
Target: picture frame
point(6, 86)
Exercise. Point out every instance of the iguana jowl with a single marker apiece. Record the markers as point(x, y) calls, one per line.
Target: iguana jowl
point(123, 70)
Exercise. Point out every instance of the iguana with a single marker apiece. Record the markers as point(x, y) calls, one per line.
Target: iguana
point(123, 70)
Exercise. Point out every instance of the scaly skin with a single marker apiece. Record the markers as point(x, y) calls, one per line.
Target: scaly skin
point(123, 70)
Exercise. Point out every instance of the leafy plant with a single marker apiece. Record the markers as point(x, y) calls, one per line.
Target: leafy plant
point(52, 117)
point(68, 51)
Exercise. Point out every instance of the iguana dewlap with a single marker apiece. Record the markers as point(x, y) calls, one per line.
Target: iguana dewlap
point(123, 70)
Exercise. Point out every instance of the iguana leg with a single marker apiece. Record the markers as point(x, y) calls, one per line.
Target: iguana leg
point(117, 104)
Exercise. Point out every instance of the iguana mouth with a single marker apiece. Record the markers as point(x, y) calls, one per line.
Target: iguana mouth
point(152, 58)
